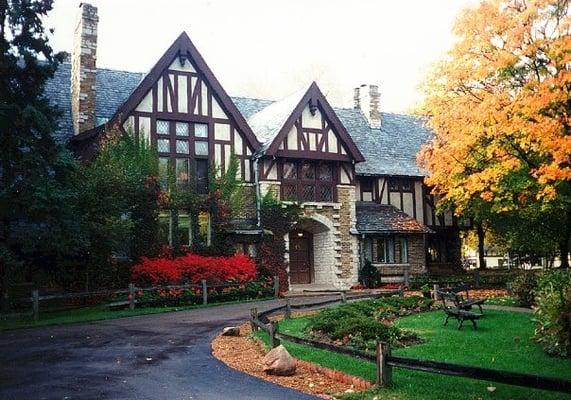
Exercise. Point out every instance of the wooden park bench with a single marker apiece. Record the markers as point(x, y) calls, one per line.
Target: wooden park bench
point(452, 310)
point(466, 302)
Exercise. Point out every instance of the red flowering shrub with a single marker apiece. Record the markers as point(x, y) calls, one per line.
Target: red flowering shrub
point(193, 268)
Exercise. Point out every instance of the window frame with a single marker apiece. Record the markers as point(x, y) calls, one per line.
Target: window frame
point(388, 250)
point(191, 156)
point(300, 181)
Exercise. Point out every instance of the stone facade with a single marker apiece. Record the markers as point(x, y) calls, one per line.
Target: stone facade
point(335, 247)
point(83, 69)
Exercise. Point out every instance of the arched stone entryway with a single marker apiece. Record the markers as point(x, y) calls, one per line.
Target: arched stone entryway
point(311, 252)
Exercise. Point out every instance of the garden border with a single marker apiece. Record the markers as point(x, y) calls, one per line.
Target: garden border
point(385, 361)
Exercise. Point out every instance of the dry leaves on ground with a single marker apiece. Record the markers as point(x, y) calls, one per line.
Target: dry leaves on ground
point(245, 354)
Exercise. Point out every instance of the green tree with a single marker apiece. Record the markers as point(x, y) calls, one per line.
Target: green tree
point(119, 205)
point(33, 168)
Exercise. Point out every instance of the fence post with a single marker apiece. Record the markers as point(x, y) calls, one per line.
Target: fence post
point(276, 286)
point(406, 277)
point(288, 309)
point(477, 278)
point(273, 329)
point(384, 371)
point(35, 304)
point(435, 289)
point(343, 298)
point(253, 317)
point(509, 287)
point(204, 292)
point(131, 296)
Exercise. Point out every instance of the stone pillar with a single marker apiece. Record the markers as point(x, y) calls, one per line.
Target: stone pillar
point(83, 69)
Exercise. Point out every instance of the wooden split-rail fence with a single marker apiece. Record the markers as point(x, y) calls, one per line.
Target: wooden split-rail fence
point(385, 361)
point(35, 299)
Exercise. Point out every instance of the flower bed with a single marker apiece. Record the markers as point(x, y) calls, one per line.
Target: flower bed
point(193, 268)
point(173, 297)
point(360, 325)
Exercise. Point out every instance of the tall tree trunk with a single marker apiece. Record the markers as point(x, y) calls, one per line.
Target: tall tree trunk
point(564, 243)
point(481, 236)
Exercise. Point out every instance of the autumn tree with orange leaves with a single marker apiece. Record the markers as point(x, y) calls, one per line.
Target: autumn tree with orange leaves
point(500, 107)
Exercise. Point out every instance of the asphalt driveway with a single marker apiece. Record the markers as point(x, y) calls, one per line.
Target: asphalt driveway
point(161, 356)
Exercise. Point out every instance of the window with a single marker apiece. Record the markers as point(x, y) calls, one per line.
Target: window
point(164, 145)
point(181, 129)
point(202, 176)
point(163, 127)
point(403, 184)
point(180, 228)
point(383, 250)
point(366, 185)
point(182, 171)
point(185, 144)
point(308, 181)
point(200, 148)
point(403, 250)
point(163, 171)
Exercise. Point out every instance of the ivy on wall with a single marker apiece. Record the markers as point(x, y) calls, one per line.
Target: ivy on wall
point(277, 219)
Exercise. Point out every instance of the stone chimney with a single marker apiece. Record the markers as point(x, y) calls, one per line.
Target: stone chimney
point(83, 67)
point(368, 99)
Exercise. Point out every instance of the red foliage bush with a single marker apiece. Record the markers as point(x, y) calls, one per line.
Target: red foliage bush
point(193, 268)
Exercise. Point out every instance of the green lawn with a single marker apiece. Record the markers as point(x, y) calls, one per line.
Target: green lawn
point(98, 313)
point(502, 341)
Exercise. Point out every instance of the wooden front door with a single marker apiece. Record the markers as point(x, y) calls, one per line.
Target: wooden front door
point(300, 257)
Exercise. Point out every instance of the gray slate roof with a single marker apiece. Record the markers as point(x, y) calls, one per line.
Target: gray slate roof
point(112, 89)
point(392, 149)
point(384, 218)
point(389, 151)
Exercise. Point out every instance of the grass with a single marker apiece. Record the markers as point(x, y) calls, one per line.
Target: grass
point(502, 341)
point(99, 313)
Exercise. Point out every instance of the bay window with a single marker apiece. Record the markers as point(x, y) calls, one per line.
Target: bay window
point(307, 181)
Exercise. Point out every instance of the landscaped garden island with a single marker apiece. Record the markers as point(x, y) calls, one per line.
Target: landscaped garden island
point(506, 340)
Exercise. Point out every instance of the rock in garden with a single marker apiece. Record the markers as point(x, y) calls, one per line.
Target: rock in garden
point(231, 331)
point(279, 362)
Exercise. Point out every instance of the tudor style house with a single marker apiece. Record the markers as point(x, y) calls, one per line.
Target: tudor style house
point(352, 170)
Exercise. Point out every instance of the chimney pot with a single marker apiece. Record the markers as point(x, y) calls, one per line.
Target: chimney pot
point(83, 69)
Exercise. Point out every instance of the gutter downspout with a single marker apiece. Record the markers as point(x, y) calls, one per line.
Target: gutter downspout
point(258, 192)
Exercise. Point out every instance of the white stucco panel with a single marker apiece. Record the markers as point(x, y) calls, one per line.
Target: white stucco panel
point(311, 121)
point(182, 94)
point(292, 139)
point(217, 111)
point(146, 105)
point(222, 132)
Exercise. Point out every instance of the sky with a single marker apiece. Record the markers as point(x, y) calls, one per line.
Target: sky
point(271, 48)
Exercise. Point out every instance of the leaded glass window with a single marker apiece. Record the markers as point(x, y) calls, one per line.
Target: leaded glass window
point(164, 145)
point(182, 129)
point(200, 148)
point(182, 147)
point(200, 130)
point(163, 127)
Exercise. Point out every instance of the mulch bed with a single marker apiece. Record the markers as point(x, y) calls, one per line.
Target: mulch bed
point(245, 354)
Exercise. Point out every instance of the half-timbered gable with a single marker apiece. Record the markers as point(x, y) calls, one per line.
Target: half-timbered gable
point(181, 109)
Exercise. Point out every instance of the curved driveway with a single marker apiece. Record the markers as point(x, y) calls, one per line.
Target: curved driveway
point(161, 356)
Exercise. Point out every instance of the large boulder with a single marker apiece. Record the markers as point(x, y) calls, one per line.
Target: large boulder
point(231, 331)
point(279, 362)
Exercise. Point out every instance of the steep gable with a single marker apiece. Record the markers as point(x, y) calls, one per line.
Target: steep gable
point(303, 125)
